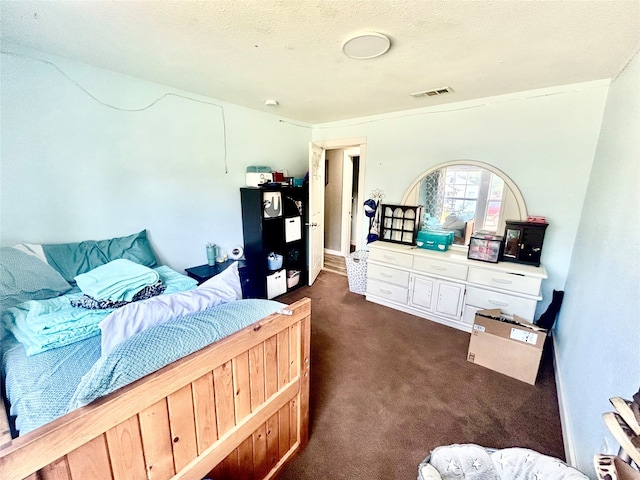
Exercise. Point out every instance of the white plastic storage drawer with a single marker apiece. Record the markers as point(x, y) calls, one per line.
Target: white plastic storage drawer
point(508, 304)
point(387, 274)
point(387, 291)
point(393, 258)
point(505, 281)
point(443, 269)
point(276, 283)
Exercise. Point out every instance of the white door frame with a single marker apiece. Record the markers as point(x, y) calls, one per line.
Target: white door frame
point(347, 144)
point(347, 200)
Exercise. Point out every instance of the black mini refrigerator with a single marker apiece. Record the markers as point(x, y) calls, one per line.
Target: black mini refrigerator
point(523, 242)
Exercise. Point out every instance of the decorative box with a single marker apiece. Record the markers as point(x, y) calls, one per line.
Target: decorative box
point(485, 247)
point(258, 175)
point(255, 179)
point(434, 240)
point(523, 242)
point(258, 169)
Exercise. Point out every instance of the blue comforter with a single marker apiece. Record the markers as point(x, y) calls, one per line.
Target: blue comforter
point(43, 325)
point(43, 387)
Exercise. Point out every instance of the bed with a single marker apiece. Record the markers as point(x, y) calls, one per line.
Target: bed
point(235, 407)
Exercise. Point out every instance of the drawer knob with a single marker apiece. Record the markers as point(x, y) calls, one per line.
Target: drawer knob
point(502, 280)
point(438, 267)
point(386, 275)
point(386, 292)
point(389, 257)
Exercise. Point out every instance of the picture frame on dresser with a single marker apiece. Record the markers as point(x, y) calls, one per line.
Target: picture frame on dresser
point(485, 247)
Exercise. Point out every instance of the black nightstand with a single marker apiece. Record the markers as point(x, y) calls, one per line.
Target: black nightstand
point(203, 273)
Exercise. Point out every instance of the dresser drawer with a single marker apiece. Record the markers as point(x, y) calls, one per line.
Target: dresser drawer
point(505, 281)
point(388, 274)
point(508, 304)
point(393, 258)
point(387, 291)
point(444, 269)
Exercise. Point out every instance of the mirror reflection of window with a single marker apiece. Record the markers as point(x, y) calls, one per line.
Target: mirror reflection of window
point(462, 199)
point(466, 196)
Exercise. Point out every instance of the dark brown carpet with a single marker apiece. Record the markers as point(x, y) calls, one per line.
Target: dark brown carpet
point(388, 387)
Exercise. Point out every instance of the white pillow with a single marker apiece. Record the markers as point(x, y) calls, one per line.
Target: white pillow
point(138, 316)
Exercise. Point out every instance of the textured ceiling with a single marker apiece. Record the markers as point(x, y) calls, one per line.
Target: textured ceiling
point(246, 51)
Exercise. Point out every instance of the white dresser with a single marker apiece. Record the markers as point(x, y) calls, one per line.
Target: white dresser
point(448, 288)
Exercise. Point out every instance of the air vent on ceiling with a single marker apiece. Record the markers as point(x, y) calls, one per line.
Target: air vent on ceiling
point(432, 93)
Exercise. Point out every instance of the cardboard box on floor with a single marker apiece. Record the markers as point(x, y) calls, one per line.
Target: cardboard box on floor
point(509, 346)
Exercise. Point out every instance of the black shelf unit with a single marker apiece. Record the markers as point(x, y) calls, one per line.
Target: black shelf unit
point(400, 223)
point(273, 222)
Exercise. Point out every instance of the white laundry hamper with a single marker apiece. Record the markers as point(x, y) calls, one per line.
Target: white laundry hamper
point(357, 271)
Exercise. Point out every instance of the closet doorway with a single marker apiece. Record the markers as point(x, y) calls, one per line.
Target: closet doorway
point(342, 225)
point(341, 200)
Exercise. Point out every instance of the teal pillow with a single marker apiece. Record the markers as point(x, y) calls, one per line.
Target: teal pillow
point(72, 259)
point(25, 277)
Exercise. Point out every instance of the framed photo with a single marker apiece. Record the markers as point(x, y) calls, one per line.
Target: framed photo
point(486, 248)
point(272, 204)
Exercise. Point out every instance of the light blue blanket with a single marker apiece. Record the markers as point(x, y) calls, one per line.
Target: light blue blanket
point(118, 280)
point(43, 387)
point(42, 325)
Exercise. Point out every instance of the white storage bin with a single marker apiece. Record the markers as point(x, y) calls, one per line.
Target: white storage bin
point(276, 284)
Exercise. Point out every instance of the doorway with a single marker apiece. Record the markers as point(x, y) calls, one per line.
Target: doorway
point(341, 200)
point(342, 214)
point(341, 168)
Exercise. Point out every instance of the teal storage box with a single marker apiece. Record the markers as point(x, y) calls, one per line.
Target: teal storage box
point(434, 240)
point(258, 169)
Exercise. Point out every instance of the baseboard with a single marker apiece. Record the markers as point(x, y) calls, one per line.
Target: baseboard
point(337, 253)
point(567, 437)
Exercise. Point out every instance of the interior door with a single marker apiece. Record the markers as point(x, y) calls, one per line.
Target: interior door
point(316, 211)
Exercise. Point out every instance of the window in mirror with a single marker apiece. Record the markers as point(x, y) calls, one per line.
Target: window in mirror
point(464, 198)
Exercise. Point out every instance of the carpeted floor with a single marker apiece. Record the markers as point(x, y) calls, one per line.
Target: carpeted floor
point(388, 387)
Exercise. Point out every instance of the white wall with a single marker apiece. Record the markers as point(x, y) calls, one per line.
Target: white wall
point(544, 140)
point(73, 169)
point(598, 331)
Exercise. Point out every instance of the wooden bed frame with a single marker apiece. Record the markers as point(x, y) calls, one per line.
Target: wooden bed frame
point(238, 408)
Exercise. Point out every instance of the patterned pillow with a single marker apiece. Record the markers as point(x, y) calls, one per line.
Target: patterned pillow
point(25, 277)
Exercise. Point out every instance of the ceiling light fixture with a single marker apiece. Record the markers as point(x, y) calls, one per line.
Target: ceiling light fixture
point(366, 45)
point(271, 102)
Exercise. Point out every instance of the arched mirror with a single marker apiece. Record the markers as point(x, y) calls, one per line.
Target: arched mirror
point(466, 196)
